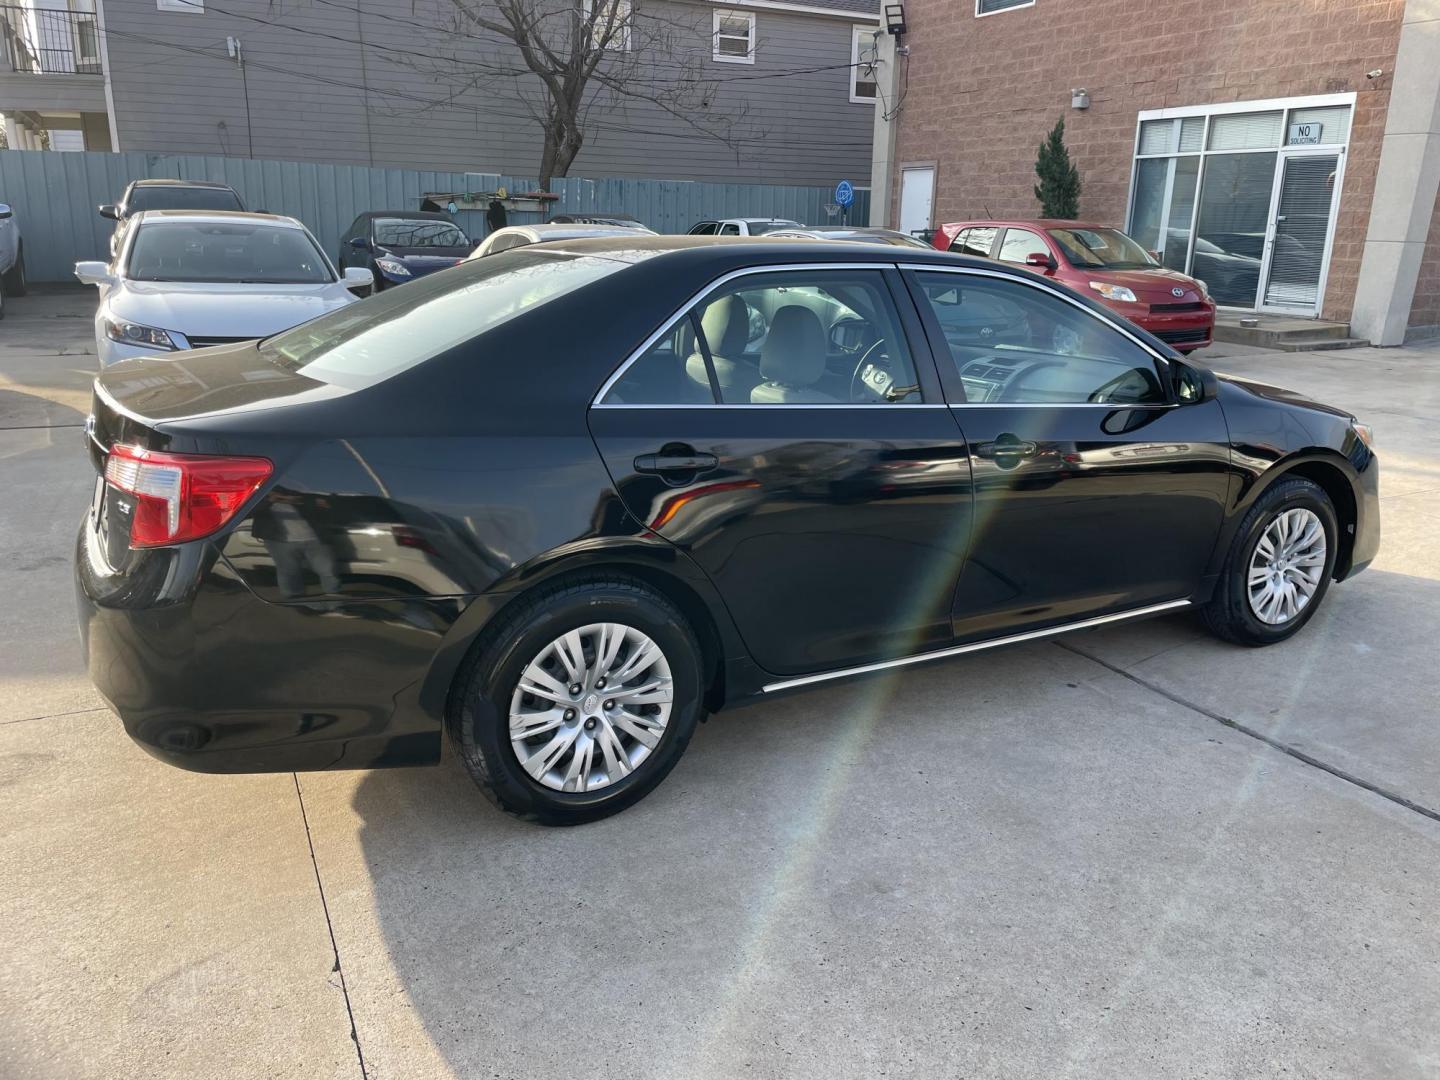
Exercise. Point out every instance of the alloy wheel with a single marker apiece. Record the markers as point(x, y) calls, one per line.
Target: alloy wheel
point(591, 707)
point(1286, 566)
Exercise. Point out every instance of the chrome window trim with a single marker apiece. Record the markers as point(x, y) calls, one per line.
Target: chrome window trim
point(976, 646)
point(597, 402)
point(1112, 406)
point(772, 408)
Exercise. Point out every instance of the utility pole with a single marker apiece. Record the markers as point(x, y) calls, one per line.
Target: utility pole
point(882, 154)
point(232, 44)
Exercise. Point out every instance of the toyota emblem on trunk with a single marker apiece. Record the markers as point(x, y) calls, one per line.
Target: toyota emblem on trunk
point(1177, 291)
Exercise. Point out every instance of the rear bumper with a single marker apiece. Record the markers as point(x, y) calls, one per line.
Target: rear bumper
point(207, 677)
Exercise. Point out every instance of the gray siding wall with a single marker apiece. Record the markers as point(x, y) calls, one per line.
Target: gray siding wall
point(317, 95)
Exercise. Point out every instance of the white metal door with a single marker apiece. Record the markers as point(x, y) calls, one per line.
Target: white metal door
point(917, 198)
point(1302, 228)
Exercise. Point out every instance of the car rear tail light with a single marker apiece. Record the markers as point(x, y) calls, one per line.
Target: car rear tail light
point(180, 497)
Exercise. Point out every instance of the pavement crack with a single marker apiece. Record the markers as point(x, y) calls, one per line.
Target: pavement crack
point(55, 716)
point(330, 927)
point(1259, 736)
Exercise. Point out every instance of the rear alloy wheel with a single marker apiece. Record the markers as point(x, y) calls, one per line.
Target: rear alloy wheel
point(1279, 566)
point(579, 702)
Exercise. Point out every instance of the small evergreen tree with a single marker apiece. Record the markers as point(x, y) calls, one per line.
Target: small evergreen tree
point(1059, 186)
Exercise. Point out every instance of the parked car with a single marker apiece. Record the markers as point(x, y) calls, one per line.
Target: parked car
point(142, 195)
point(628, 221)
point(618, 540)
point(742, 226)
point(1100, 262)
point(856, 233)
point(513, 236)
point(397, 246)
point(12, 257)
point(185, 279)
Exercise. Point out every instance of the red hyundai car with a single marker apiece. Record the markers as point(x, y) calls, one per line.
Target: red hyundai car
point(1100, 260)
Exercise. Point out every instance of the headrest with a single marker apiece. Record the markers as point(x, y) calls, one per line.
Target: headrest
point(794, 350)
point(726, 324)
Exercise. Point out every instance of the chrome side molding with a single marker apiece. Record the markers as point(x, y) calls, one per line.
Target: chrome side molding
point(977, 646)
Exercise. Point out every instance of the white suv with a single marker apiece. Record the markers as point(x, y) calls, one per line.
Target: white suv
point(743, 226)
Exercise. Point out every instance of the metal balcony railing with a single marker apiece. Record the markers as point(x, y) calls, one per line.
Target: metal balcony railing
point(49, 41)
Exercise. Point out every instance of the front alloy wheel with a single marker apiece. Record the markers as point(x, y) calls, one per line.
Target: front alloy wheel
point(1278, 567)
point(1286, 566)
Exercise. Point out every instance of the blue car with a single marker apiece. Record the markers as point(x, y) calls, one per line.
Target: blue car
point(400, 245)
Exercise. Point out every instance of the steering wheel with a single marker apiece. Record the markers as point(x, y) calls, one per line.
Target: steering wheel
point(856, 381)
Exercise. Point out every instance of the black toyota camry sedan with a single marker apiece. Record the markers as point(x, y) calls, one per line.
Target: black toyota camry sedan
point(566, 501)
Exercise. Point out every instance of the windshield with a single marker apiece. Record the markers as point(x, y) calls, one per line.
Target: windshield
point(1102, 249)
point(358, 345)
point(182, 198)
point(758, 228)
point(418, 233)
point(238, 252)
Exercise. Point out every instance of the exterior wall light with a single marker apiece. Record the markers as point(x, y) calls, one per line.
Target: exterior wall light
point(1080, 99)
point(895, 19)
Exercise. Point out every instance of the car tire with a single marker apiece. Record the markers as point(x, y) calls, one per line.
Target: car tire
point(1250, 605)
point(14, 284)
point(488, 707)
point(2, 303)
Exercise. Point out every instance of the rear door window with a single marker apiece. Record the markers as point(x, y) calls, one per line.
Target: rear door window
point(977, 241)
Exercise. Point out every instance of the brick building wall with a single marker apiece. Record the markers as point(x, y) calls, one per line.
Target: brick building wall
point(981, 93)
point(1425, 309)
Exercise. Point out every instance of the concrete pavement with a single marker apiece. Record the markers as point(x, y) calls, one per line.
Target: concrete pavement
point(1054, 861)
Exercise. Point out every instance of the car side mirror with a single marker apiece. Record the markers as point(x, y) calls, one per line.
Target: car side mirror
point(111, 211)
point(5, 211)
point(360, 243)
point(1041, 260)
point(94, 273)
point(1192, 385)
point(359, 280)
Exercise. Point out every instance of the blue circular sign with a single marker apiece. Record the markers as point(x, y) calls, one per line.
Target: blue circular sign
point(844, 193)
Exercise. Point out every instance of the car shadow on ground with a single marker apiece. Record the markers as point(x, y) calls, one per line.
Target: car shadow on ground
point(947, 851)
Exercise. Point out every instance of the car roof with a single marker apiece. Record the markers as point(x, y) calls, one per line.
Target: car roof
point(724, 253)
point(1021, 223)
point(219, 217)
point(161, 182)
point(423, 215)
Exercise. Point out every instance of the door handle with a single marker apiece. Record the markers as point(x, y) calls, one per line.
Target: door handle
point(676, 462)
point(1007, 447)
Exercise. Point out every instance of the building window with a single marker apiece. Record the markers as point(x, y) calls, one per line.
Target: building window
point(1244, 196)
point(197, 6)
point(862, 64)
point(612, 13)
point(990, 7)
point(734, 37)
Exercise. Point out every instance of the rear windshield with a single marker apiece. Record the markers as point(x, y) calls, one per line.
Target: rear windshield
point(418, 233)
point(759, 227)
point(361, 344)
point(182, 198)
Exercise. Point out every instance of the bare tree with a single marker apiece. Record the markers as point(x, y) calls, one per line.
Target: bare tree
point(589, 54)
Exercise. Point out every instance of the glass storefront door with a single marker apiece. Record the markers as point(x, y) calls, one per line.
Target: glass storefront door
point(1303, 207)
point(1230, 229)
